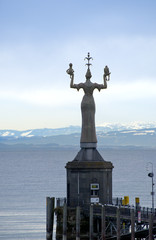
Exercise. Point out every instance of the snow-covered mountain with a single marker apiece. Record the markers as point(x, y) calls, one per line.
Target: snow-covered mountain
point(135, 134)
point(43, 132)
point(46, 132)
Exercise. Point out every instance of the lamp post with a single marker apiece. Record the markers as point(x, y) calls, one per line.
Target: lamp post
point(151, 175)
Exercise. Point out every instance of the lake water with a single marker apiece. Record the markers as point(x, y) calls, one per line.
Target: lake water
point(28, 176)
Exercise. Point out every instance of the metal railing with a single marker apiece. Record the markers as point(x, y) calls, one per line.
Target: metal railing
point(109, 208)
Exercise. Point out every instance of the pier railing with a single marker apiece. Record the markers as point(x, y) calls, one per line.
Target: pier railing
point(125, 211)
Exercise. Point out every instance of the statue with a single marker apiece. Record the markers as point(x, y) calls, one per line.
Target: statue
point(88, 132)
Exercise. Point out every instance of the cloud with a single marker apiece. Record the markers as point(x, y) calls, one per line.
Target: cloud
point(144, 89)
point(51, 97)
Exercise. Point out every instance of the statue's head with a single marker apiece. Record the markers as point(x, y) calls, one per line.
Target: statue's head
point(88, 74)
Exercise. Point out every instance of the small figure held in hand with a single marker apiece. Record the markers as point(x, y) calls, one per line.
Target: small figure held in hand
point(70, 71)
point(106, 73)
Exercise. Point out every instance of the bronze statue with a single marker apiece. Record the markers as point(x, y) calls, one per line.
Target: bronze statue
point(88, 132)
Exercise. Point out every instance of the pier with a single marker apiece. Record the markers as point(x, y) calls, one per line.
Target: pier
point(106, 222)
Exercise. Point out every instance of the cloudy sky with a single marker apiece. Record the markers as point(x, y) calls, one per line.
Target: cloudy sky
point(38, 40)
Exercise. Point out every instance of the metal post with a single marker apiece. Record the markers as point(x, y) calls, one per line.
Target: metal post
point(78, 189)
point(91, 223)
point(151, 174)
point(50, 204)
point(152, 191)
point(77, 223)
point(65, 221)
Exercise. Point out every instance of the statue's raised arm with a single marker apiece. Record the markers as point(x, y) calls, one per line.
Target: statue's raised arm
point(70, 71)
point(106, 76)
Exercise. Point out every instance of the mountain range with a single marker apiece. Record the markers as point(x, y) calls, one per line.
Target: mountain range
point(108, 135)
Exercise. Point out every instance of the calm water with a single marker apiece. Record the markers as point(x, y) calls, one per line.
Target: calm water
point(27, 176)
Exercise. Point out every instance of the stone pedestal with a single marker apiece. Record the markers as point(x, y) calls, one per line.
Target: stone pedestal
point(89, 179)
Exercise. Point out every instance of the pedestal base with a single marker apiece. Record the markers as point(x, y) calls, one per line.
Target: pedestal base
point(89, 181)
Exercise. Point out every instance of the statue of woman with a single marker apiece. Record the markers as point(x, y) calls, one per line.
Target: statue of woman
point(88, 132)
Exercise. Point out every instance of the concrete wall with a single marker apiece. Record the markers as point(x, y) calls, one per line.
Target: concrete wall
point(79, 180)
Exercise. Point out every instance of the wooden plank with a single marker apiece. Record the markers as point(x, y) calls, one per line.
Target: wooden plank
point(103, 223)
point(150, 226)
point(132, 225)
point(118, 222)
point(64, 222)
point(91, 223)
point(50, 204)
point(78, 223)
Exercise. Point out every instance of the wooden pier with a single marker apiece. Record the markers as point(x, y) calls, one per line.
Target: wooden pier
point(103, 222)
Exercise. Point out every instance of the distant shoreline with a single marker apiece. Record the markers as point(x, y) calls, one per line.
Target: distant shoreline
point(48, 147)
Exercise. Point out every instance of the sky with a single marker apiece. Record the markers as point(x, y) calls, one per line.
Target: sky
point(38, 40)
